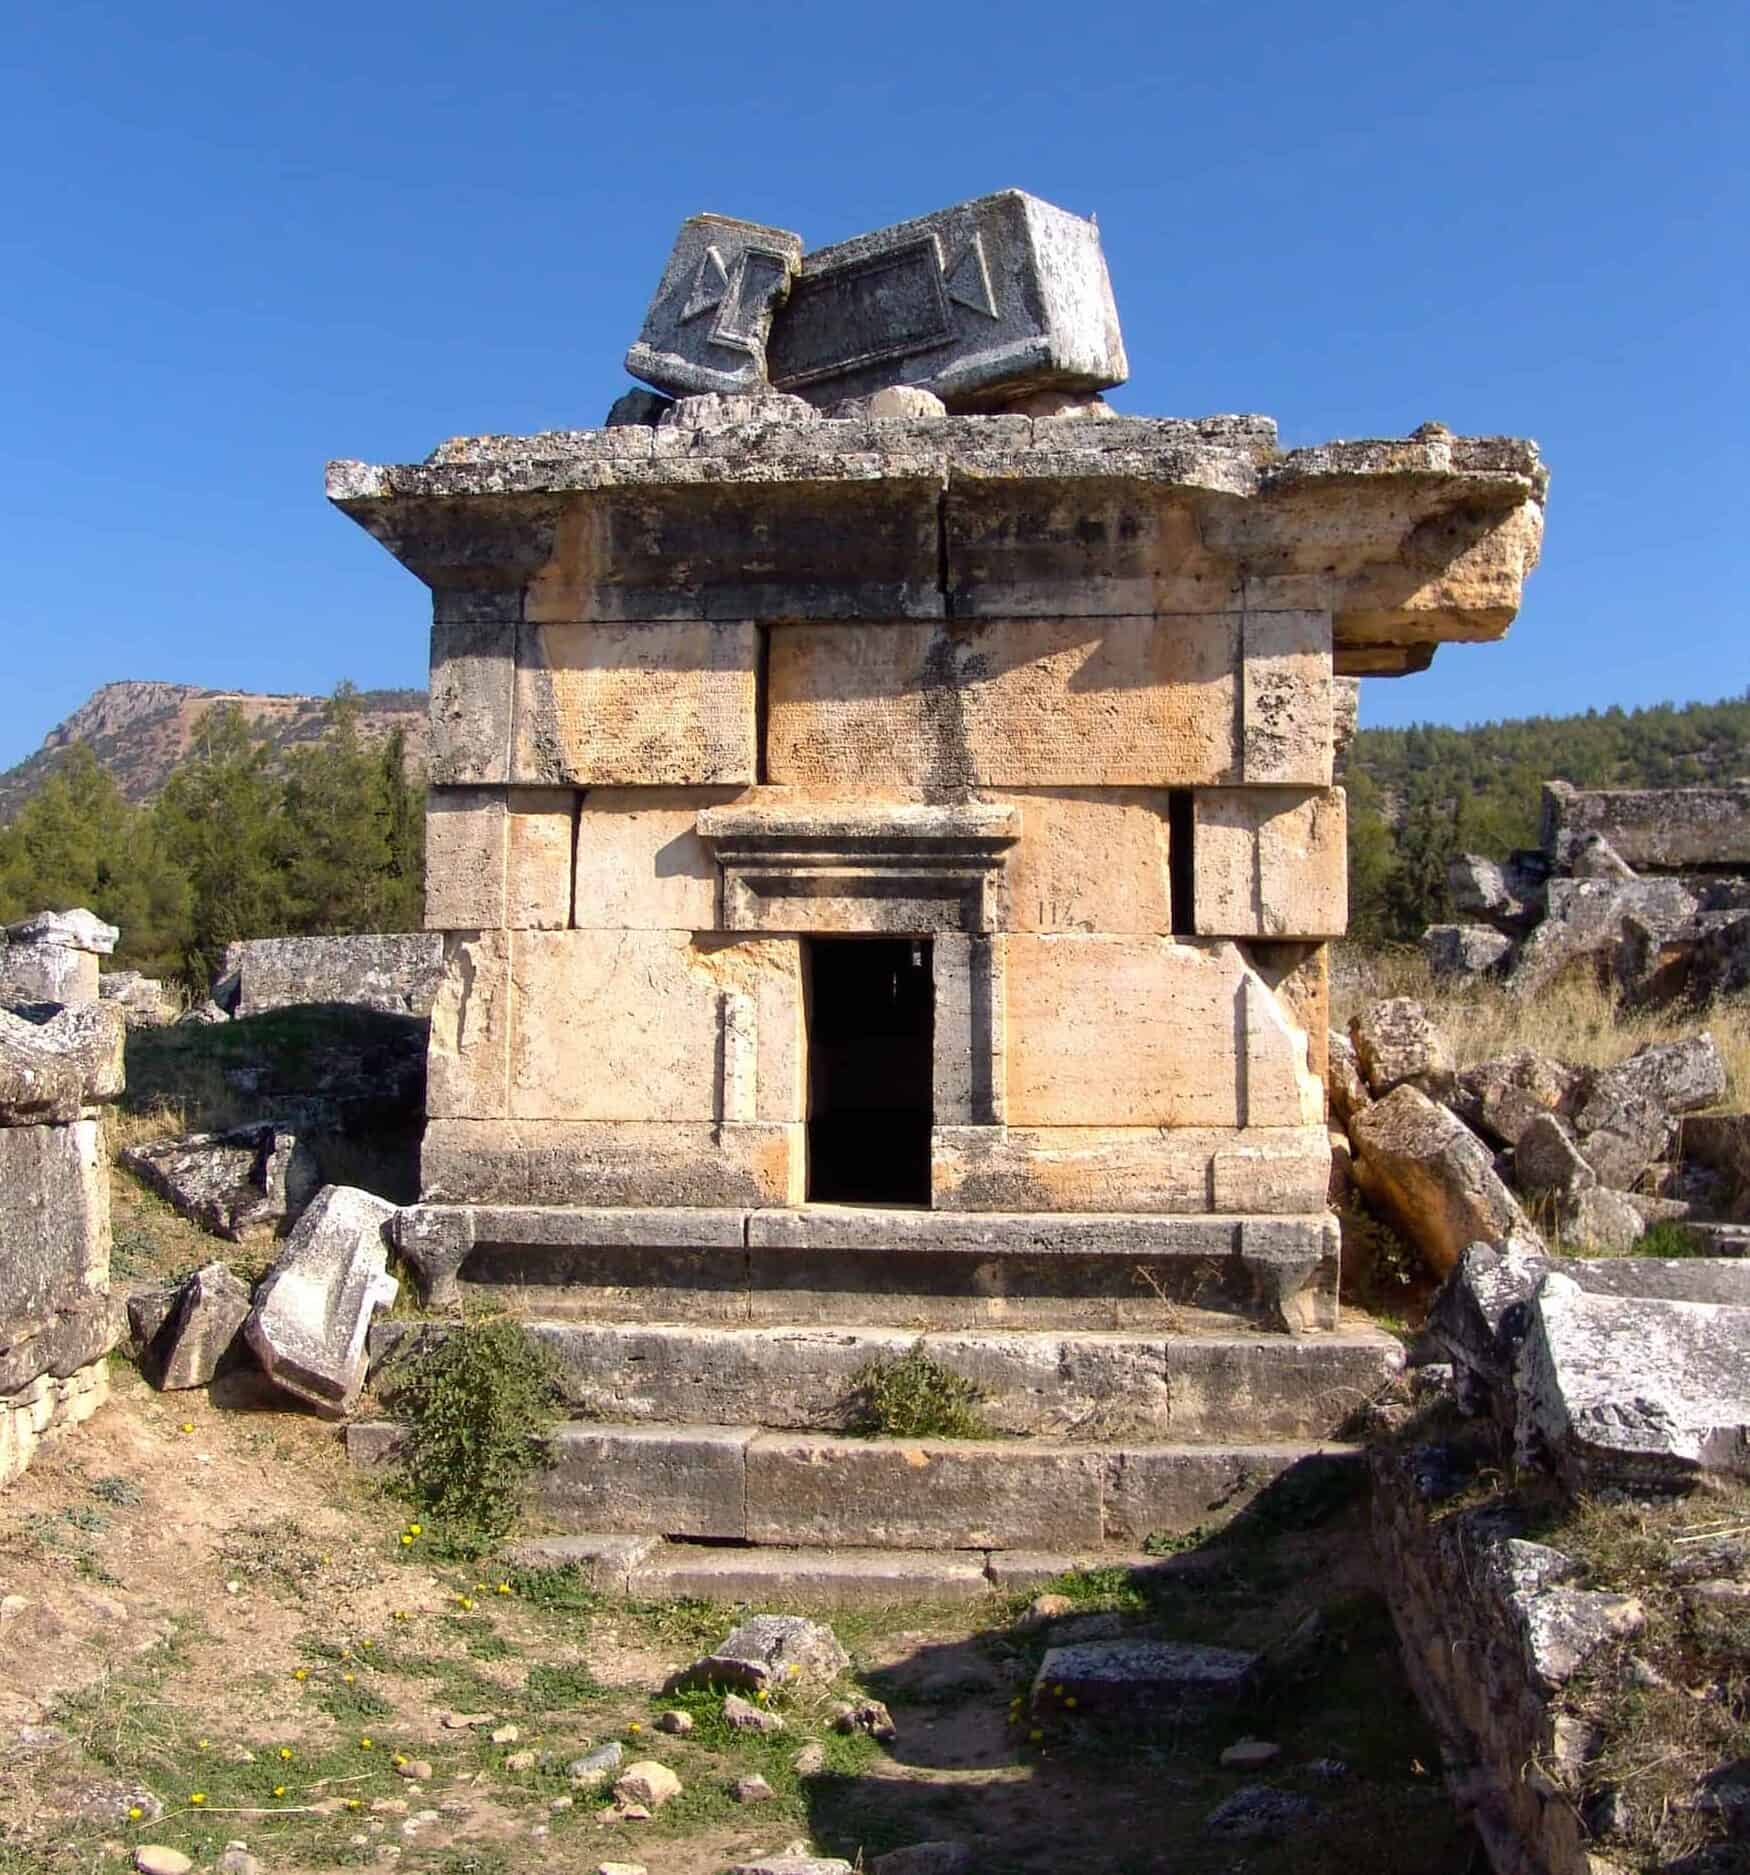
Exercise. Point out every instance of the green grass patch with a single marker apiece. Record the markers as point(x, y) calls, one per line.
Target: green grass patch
point(912, 1396)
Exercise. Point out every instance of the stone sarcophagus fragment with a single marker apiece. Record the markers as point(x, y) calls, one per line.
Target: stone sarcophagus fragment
point(973, 303)
point(886, 865)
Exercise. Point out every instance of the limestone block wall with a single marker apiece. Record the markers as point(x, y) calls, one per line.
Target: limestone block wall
point(1056, 696)
point(54, 1220)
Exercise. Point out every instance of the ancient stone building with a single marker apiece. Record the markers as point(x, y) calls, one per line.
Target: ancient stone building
point(886, 864)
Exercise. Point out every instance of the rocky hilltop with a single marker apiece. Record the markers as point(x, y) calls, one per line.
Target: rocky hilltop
point(141, 731)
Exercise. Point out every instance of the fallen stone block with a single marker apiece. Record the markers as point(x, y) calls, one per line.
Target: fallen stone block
point(1108, 1677)
point(244, 1184)
point(1719, 1141)
point(1395, 1044)
point(1346, 1089)
point(1502, 1096)
point(1466, 951)
point(793, 1865)
point(1603, 1221)
point(1680, 1077)
point(977, 303)
point(708, 324)
point(202, 1317)
point(1433, 1179)
point(1509, 897)
point(767, 1651)
point(1618, 924)
point(1559, 1627)
point(314, 1307)
point(1633, 1392)
point(145, 1003)
point(927, 1858)
point(1547, 1160)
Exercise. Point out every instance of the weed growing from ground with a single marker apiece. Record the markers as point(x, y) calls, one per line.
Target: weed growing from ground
point(914, 1397)
point(476, 1407)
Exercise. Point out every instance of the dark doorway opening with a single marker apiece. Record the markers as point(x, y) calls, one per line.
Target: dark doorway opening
point(871, 1022)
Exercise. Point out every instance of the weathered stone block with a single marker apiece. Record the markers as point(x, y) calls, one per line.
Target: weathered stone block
point(1149, 1168)
point(1126, 1031)
point(641, 865)
point(975, 302)
point(54, 1222)
point(707, 326)
point(612, 1162)
point(1633, 1392)
point(1173, 1488)
point(396, 972)
point(1654, 829)
point(671, 1480)
point(473, 668)
point(1089, 860)
point(1433, 1179)
point(654, 704)
point(498, 857)
point(313, 1309)
point(919, 1493)
point(679, 1028)
point(924, 711)
point(52, 1067)
point(1270, 862)
point(468, 1056)
point(1122, 1678)
point(243, 1184)
point(206, 1314)
point(1286, 698)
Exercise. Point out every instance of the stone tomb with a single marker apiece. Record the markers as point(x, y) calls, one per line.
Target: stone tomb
point(885, 867)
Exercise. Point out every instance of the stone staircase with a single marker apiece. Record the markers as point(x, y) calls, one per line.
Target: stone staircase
point(711, 1457)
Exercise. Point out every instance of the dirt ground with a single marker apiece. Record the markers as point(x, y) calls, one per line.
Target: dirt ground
point(213, 1631)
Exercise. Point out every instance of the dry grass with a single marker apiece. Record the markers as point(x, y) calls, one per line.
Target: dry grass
point(1664, 1732)
point(1574, 1019)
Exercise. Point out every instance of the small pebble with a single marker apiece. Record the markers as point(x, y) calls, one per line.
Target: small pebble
point(679, 1723)
point(415, 1770)
point(561, 1803)
point(388, 1806)
point(506, 1735)
point(464, 1721)
point(810, 1761)
point(753, 1789)
point(1250, 1754)
point(522, 1760)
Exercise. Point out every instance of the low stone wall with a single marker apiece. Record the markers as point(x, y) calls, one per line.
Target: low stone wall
point(54, 1221)
point(395, 972)
point(1490, 1634)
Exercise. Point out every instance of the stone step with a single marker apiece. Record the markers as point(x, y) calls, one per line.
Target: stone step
point(874, 1265)
point(1077, 1384)
point(797, 1489)
point(653, 1570)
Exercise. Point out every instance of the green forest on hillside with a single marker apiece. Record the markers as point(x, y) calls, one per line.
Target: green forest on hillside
point(1419, 795)
point(243, 841)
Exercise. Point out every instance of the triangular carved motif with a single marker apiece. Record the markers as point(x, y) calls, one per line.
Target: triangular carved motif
point(967, 281)
point(710, 283)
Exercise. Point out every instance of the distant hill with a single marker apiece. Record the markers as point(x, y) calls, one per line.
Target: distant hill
point(141, 731)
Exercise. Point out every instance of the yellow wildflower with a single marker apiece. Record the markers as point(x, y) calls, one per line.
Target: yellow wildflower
point(504, 1588)
point(364, 1744)
point(135, 1813)
point(1070, 1702)
point(186, 1426)
point(415, 1529)
point(197, 1796)
point(279, 1790)
point(285, 1751)
point(406, 1539)
point(634, 1727)
point(1035, 1735)
point(348, 1678)
point(367, 1644)
point(300, 1673)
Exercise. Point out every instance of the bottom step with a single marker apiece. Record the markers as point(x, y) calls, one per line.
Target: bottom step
point(651, 1570)
point(741, 1484)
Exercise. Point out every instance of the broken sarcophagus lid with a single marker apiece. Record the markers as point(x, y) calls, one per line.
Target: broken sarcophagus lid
point(706, 328)
point(981, 304)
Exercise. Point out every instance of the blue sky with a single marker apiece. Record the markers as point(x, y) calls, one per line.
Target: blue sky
point(239, 240)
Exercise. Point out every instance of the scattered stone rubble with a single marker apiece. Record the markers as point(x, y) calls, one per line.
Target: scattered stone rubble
point(1522, 1144)
point(60, 1057)
point(1605, 1377)
point(1649, 886)
point(394, 972)
point(246, 1184)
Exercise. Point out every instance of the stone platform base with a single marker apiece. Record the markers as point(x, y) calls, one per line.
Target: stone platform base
point(741, 1484)
point(653, 1570)
point(878, 1266)
point(37, 1411)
